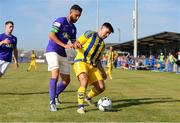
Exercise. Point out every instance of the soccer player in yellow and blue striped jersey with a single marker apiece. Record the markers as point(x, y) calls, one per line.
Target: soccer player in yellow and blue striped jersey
point(110, 61)
point(33, 61)
point(87, 66)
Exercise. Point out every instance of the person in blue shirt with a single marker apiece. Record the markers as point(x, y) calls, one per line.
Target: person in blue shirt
point(8, 48)
point(63, 30)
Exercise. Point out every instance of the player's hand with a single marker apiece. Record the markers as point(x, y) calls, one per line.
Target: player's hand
point(77, 45)
point(6, 41)
point(16, 65)
point(68, 46)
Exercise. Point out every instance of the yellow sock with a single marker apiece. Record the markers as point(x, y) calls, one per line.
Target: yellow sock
point(81, 95)
point(93, 92)
point(110, 73)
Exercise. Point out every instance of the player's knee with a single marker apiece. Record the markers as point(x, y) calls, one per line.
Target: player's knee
point(102, 89)
point(55, 74)
point(83, 76)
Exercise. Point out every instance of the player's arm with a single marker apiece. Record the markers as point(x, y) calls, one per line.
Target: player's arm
point(53, 37)
point(35, 55)
point(100, 67)
point(5, 41)
point(82, 39)
point(56, 27)
point(79, 42)
point(15, 55)
point(174, 59)
point(76, 44)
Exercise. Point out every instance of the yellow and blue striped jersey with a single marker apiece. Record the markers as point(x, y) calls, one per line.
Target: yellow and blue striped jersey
point(33, 57)
point(110, 56)
point(92, 48)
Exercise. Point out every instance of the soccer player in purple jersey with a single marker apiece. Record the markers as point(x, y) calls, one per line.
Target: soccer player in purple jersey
point(8, 48)
point(63, 30)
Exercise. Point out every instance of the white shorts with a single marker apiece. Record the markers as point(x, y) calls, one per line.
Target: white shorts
point(3, 66)
point(55, 61)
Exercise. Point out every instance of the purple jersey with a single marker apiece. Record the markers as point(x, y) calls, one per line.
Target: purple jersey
point(7, 49)
point(64, 32)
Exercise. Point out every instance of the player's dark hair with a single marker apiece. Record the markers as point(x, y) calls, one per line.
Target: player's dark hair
point(7, 22)
point(109, 26)
point(76, 7)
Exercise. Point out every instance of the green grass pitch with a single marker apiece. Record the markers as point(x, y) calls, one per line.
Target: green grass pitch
point(136, 95)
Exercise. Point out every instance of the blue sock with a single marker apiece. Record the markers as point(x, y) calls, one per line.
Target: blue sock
point(88, 98)
point(79, 106)
point(60, 88)
point(52, 90)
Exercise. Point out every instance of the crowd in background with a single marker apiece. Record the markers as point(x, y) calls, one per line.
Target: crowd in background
point(169, 63)
point(124, 60)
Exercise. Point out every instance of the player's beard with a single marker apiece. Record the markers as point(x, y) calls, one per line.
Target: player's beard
point(103, 37)
point(73, 20)
point(9, 31)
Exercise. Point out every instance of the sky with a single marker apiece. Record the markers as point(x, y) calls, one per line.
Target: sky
point(33, 18)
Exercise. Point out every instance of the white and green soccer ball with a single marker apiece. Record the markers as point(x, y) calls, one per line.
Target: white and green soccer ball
point(104, 104)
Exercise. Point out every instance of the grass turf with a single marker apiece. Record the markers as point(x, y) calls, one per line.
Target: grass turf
point(136, 95)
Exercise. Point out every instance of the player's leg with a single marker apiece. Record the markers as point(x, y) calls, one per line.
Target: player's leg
point(107, 70)
point(30, 66)
point(98, 86)
point(52, 84)
point(3, 67)
point(52, 88)
point(65, 77)
point(53, 66)
point(34, 65)
point(110, 71)
point(81, 70)
point(83, 78)
point(61, 86)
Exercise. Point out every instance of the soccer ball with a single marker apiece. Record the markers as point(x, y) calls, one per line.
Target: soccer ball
point(104, 104)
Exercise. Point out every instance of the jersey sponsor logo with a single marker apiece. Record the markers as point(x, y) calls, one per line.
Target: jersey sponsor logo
point(9, 45)
point(14, 39)
point(65, 35)
point(57, 24)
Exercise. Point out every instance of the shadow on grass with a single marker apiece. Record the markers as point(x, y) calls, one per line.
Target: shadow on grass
point(68, 107)
point(118, 105)
point(32, 93)
point(87, 107)
point(28, 93)
point(17, 78)
point(125, 103)
point(130, 77)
